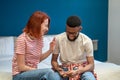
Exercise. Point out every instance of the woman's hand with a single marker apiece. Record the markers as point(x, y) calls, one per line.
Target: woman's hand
point(46, 54)
point(52, 45)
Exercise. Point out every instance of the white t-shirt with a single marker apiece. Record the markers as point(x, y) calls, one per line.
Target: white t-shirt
point(73, 51)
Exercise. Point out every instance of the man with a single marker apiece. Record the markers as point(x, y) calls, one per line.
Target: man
point(76, 53)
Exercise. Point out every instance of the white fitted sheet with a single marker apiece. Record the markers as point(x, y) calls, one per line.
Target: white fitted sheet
point(104, 70)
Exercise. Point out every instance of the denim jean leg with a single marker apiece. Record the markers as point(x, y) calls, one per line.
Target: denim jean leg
point(87, 76)
point(52, 75)
point(33, 74)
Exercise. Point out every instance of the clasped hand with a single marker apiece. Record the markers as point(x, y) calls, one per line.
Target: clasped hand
point(70, 73)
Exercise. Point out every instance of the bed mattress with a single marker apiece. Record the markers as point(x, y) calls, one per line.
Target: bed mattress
point(104, 70)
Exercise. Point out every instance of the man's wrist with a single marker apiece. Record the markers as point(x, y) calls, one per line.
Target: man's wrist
point(58, 69)
point(80, 71)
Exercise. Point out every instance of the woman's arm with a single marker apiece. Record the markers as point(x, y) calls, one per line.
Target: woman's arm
point(46, 54)
point(21, 63)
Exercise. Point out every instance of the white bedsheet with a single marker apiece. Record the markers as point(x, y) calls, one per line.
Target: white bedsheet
point(6, 68)
point(105, 71)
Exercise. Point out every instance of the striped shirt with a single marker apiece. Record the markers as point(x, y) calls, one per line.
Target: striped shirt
point(32, 49)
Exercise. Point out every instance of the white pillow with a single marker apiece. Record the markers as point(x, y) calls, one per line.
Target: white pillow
point(6, 46)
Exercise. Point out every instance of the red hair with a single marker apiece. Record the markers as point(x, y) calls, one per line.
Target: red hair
point(33, 26)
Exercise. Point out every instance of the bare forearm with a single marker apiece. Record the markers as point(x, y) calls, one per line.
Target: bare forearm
point(55, 65)
point(21, 63)
point(52, 47)
point(45, 55)
point(25, 68)
point(89, 67)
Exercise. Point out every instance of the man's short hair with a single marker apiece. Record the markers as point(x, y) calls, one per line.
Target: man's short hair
point(73, 21)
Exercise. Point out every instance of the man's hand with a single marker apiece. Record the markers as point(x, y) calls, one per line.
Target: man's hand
point(72, 73)
point(75, 71)
point(61, 72)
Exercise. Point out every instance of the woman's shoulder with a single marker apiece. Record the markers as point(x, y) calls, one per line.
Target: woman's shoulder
point(21, 37)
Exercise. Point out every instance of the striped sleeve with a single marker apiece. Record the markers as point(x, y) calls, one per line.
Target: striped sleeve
point(20, 45)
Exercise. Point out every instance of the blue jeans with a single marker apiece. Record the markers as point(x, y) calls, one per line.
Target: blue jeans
point(84, 76)
point(87, 76)
point(39, 74)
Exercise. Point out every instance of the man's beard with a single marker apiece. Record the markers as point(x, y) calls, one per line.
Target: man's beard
point(72, 39)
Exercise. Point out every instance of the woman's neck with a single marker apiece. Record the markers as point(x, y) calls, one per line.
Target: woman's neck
point(30, 36)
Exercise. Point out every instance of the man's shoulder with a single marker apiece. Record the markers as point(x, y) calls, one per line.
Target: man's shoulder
point(61, 34)
point(83, 35)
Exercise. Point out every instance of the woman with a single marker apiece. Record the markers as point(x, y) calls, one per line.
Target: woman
point(28, 50)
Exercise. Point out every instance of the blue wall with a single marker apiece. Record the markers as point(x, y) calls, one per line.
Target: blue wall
point(94, 14)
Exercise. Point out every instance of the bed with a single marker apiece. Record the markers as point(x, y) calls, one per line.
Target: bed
point(104, 70)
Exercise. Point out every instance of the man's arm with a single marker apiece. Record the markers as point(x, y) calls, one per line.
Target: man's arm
point(89, 57)
point(56, 66)
point(54, 62)
point(89, 66)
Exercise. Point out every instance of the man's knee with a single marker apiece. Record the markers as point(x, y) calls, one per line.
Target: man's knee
point(87, 76)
